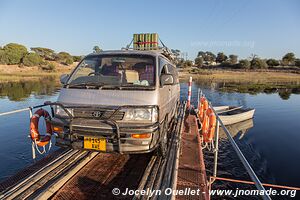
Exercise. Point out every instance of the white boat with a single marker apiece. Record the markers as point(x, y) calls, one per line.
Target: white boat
point(234, 114)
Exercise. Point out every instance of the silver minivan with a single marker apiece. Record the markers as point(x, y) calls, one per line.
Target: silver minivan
point(118, 101)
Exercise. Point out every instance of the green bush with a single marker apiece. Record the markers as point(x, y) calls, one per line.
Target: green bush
point(272, 62)
point(47, 54)
point(244, 64)
point(77, 58)
point(32, 59)
point(64, 58)
point(257, 63)
point(15, 53)
point(47, 66)
point(187, 63)
point(3, 57)
point(226, 64)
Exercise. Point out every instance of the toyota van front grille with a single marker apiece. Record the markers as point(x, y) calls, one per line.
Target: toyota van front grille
point(100, 114)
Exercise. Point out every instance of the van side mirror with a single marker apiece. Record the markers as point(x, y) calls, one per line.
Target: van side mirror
point(64, 78)
point(166, 79)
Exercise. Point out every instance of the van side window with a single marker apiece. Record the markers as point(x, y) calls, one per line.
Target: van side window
point(162, 68)
point(172, 70)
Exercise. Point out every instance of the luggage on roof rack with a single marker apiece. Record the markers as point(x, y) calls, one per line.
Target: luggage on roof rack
point(145, 41)
point(149, 42)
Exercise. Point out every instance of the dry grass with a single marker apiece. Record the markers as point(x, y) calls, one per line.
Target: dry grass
point(15, 73)
point(241, 77)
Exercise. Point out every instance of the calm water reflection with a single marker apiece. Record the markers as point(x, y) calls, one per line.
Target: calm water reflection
point(18, 91)
point(269, 141)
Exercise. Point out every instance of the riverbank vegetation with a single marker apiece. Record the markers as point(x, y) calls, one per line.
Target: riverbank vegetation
point(17, 54)
point(208, 60)
point(18, 63)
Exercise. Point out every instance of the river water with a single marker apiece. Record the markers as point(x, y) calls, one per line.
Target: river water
point(269, 141)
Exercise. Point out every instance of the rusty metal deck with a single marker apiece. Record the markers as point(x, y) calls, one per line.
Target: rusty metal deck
point(191, 171)
point(11, 181)
point(104, 173)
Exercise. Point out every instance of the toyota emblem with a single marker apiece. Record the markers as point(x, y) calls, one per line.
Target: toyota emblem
point(96, 114)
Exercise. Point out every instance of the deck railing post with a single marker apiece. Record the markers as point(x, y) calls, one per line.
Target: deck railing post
point(216, 150)
point(189, 93)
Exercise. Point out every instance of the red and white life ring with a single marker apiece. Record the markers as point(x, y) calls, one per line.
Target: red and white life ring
point(41, 140)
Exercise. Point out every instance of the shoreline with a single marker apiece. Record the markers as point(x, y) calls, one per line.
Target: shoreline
point(14, 73)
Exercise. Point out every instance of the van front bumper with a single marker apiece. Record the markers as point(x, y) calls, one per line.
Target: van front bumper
point(124, 143)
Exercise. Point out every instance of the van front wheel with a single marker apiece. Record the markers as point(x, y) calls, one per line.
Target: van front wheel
point(163, 143)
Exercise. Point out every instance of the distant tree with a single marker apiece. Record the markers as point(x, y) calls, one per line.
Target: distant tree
point(288, 58)
point(199, 61)
point(272, 62)
point(244, 64)
point(32, 59)
point(187, 64)
point(297, 62)
point(64, 58)
point(201, 54)
point(47, 54)
point(180, 62)
point(176, 53)
point(233, 59)
point(14, 52)
point(77, 58)
point(221, 57)
point(3, 57)
point(207, 56)
point(97, 49)
point(258, 63)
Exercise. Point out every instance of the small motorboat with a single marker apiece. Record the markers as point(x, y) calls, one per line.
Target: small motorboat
point(233, 114)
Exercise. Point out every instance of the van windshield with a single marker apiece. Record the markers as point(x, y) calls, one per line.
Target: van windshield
point(113, 71)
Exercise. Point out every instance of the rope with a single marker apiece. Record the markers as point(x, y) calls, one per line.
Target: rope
point(38, 150)
point(252, 183)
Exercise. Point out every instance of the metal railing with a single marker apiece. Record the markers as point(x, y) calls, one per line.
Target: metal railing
point(241, 156)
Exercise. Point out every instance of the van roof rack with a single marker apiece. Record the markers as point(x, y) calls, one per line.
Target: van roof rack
point(149, 42)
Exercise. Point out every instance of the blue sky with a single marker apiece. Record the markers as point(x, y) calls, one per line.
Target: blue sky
point(266, 28)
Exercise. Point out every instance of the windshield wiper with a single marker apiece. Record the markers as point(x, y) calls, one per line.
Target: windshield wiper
point(115, 87)
point(133, 87)
point(94, 85)
point(86, 85)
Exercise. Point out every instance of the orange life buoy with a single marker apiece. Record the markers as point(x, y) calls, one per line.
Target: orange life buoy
point(205, 125)
point(203, 108)
point(209, 135)
point(41, 140)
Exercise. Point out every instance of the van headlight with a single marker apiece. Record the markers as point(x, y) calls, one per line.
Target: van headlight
point(140, 114)
point(60, 112)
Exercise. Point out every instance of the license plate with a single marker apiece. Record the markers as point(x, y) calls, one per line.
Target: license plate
point(94, 143)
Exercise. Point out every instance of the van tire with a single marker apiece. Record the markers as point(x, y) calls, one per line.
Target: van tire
point(163, 142)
